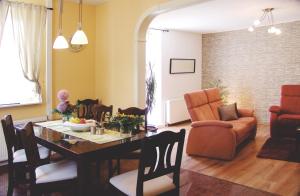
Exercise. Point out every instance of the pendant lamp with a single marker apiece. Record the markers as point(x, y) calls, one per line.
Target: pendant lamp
point(79, 38)
point(60, 41)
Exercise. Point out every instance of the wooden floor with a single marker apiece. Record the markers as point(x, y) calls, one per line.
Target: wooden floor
point(274, 176)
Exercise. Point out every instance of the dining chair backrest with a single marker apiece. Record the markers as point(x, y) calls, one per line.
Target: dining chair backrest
point(135, 111)
point(155, 159)
point(102, 113)
point(31, 148)
point(85, 109)
point(10, 136)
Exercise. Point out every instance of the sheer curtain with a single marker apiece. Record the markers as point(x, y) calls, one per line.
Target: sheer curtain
point(3, 14)
point(29, 23)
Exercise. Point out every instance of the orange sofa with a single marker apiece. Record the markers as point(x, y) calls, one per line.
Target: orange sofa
point(211, 137)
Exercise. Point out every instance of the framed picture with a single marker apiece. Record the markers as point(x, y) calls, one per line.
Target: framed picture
point(182, 66)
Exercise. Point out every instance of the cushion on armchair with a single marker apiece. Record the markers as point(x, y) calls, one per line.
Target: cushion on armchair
point(289, 119)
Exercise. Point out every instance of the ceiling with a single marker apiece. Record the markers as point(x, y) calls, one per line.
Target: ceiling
point(225, 15)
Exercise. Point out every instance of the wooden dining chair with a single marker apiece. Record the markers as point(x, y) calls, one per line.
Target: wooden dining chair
point(137, 112)
point(102, 113)
point(45, 178)
point(85, 109)
point(17, 161)
point(155, 163)
point(134, 154)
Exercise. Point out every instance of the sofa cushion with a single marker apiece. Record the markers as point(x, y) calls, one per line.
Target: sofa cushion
point(195, 99)
point(289, 119)
point(243, 127)
point(202, 113)
point(228, 112)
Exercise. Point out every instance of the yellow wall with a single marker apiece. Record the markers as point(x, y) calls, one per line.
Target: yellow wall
point(71, 71)
point(75, 71)
point(114, 66)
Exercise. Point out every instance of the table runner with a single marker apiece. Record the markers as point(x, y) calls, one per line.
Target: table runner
point(108, 136)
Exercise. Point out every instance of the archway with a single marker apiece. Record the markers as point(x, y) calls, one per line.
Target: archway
point(140, 42)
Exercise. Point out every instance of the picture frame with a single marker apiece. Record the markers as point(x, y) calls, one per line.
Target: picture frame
point(182, 66)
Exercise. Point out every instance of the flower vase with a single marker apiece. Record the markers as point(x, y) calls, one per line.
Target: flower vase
point(65, 118)
point(125, 130)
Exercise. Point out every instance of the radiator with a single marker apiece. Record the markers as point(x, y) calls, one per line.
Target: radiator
point(176, 111)
point(3, 151)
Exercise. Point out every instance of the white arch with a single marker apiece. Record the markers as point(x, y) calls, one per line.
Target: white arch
point(140, 42)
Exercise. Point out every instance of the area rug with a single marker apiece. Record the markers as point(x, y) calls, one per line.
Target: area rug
point(192, 183)
point(280, 149)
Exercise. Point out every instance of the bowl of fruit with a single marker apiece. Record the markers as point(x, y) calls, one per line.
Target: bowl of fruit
point(78, 124)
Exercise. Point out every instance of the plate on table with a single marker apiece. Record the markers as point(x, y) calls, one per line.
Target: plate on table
point(78, 127)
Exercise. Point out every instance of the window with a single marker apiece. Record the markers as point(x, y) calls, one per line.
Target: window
point(15, 88)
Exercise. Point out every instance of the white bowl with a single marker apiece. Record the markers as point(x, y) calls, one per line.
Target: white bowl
point(77, 127)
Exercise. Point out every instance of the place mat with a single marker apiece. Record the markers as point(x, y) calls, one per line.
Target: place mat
point(280, 149)
point(108, 136)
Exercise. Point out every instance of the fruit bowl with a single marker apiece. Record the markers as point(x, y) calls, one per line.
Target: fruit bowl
point(77, 127)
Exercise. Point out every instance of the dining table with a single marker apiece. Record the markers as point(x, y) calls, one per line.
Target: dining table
point(85, 147)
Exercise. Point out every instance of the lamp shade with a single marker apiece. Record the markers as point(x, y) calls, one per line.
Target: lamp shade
point(60, 42)
point(79, 38)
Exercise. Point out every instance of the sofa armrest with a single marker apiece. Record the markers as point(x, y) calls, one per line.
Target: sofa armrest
point(212, 141)
point(216, 123)
point(245, 112)
point(274, 109)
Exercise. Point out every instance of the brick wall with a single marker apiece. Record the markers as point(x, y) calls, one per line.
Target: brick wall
point(253, 66)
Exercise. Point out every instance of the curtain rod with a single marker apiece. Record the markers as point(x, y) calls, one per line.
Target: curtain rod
point(163, 30)
point(48, 8)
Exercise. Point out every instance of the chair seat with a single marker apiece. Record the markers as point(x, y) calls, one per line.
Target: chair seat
point(20, 156)
point(242, 127)
point(289, 119)
point(127, 184)
point(54, 172)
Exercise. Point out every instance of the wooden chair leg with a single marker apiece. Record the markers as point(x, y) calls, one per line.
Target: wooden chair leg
point(110, 168)
point(118, 166)
point(11, 182)
point(98, 169)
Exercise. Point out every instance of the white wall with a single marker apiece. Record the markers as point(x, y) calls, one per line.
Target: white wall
point(179, 44)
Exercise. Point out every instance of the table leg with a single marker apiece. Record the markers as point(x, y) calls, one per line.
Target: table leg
point(82, 175)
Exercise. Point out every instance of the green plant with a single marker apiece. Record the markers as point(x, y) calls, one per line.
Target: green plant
point(150, 89)
point(126, 122)
point(223, 89)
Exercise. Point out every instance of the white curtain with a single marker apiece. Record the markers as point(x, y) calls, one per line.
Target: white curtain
point(29, 23)
point(3, 14)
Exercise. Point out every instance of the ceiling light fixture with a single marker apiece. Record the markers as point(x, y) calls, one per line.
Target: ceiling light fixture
point(79, 38)
point(60, 41)
point(267, 16)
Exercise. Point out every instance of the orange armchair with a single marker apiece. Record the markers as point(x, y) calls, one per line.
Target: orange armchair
point(211, 137)
point(286, 118)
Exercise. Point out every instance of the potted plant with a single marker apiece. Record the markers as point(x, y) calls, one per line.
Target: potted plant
point(126, 123)
point(150, 94)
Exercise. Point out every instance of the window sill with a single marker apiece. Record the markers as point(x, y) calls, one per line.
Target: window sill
point(19, 105)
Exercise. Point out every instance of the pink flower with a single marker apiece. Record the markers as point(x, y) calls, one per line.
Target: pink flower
point(63, 95)
point(62, 106)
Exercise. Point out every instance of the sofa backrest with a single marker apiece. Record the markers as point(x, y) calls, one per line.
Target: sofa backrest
point(202, 105)
point(214, 100)
point(290, 99)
